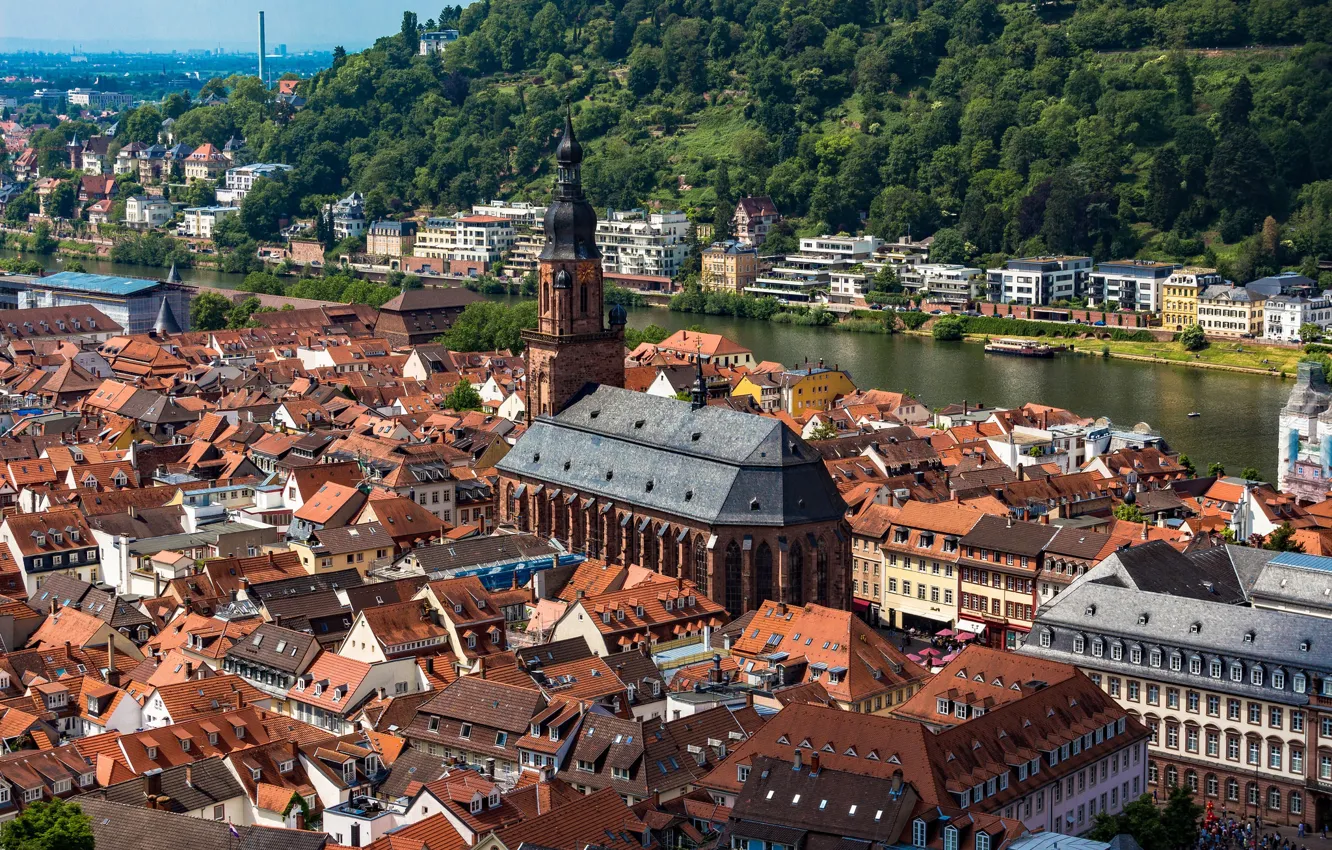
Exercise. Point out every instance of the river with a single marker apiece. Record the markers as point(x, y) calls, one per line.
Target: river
point(1238, 425)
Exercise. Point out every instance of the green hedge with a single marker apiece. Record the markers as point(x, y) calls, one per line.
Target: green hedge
point(996, 326)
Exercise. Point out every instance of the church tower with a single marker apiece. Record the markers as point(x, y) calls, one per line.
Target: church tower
point(573, 344)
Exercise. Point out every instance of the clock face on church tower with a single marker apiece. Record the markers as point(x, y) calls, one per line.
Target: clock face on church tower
point(587, 273)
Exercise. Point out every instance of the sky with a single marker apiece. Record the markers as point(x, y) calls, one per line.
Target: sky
point(100, 25)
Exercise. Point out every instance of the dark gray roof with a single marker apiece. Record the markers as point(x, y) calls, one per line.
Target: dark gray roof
point(297, 585)
point(478, 551)
point(414, 765)
point(354, 538)
point(1077, 543)
point(1099, 604)
point(261, 647)
point(1009, 535)
point(711, 465)
point(117, 826)
point(556, 652)
point(1157, 567)
point(203, 783)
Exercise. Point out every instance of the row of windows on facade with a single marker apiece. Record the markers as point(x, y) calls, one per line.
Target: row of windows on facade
point(74, 557)
point(1216, 667)
point(1212, 786)
point(1193, 701)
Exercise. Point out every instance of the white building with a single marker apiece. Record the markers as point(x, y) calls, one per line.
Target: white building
point(1131, 284)
point(98, 99)
point(950, 283)
point(349, 216)
point(1284, 314)
point(832, 266)
point(144, 212)
point(1039, 280)
point(477, 240)
point(633, 242)
point(437, 42)
point(200, 221)
point(517, 213)
point(240, 180)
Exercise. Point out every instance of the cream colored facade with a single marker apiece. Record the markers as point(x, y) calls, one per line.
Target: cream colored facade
point(729, 267)
point(1230, 311)
point(1180, 303)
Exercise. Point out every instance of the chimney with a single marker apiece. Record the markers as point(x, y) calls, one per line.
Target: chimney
point(798, 761)
point(897, 781)
point(1045, 519)
point(814, 764)
point(152, 784)
point(430, 665)
point(1010, 520)
point(189, 669)
point(383, 693)
point(1144, 529)
point(112, 675)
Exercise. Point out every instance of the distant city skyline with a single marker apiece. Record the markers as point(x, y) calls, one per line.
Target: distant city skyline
point(99, 27)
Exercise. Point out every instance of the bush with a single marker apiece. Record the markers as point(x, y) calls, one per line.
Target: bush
point(1193, 338)
point(949, 328)
point(913, 320)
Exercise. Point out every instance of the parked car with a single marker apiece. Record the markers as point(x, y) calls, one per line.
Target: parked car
point(1098, 324)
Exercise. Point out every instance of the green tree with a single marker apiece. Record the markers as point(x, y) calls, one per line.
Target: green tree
point(1282, 539)
point(1309, 332)
point(1193, 338)
point(490, 326)
point(241, 316)
point(54, 825)
point(63, 199)
point(948, 247)
point(462, 397)
point(1129, 513)
point(410, 33)
point(825, 430)
point(1188, 465)
point(209, 311)
point(1179, 819)
point(42, 242)
point(1216, 468)
point(1251, 473)
point(949, 328)
point(1165, 190)
point(1140, 818)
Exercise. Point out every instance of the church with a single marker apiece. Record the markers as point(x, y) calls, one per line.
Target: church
point(737, 503)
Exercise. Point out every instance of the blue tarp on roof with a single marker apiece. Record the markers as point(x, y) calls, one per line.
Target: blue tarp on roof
point(104, 284)
point(1303, 561)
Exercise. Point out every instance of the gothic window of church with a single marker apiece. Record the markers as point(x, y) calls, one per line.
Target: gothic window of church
point(734, 580)
point(763, 573)
point(593, 535)
point(613, 543)
point(560, 532)
point(668, 555)
point(821, 573)
point(701, 565)
point(545, 299)
point(795, 575)
point(582, 297)
point(648, 558)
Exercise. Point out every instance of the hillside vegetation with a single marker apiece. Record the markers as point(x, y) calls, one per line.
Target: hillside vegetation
point(1111, 127)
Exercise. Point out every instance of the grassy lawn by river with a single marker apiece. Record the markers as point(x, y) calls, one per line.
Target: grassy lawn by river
point(1245, 355)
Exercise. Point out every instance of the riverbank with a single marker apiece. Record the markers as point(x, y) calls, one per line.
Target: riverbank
point(1253, 359)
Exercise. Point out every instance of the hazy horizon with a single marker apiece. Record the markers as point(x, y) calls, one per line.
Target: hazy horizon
point(102, 26)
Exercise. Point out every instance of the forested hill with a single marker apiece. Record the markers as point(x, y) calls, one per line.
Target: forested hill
point(1114, 127)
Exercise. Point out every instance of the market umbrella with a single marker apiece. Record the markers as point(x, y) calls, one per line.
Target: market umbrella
point(965, 636)
point(949, 657)
point(944, 633)
point(916, 658)
point(929, 650)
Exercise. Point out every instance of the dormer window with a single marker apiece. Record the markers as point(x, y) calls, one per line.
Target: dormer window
point(918, 833)
point(152, 753)
point(477, 804)
point(255, 773)
point(494, 800)
point(982, 841)
point(286, 765)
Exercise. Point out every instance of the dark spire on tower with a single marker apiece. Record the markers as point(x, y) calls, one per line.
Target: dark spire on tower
point(571, 223)
point(698, 396)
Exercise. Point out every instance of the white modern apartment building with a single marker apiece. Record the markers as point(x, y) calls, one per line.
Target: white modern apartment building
point(1131, 284)
point(949, 283)
point(1039, 280)
point(200, 221)
point(98, 99)
point(473, 239)
point(240, 180)
point(639, 243)
point(518, 213)
point(1284, 314)
point(143, 212)
point(831, 266)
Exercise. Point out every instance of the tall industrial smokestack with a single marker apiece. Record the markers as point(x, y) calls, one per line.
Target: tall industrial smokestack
point(262, 51)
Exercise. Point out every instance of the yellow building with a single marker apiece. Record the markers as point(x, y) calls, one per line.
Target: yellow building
point(1230, 311)
point(348, 547)
point(814, 388)
point(730, 266)
point(1180, 302)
